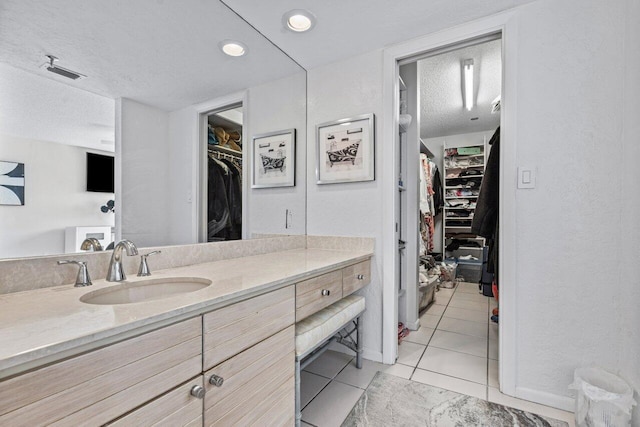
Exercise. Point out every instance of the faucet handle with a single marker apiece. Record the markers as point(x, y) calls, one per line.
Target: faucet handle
point(144, 267)
point(82, 279)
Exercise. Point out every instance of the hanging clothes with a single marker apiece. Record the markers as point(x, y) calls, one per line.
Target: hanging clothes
point(427, 206)
point(224, 200)
point(485, 220)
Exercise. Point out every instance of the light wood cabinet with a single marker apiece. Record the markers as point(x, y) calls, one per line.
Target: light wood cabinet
point(96, 387)
point(355, 277)
point(255, 387)
point(234, 328)
point(314, 294)
point(176, 408)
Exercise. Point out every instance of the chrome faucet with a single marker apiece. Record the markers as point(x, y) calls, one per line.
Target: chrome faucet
point(91, 242)
point(116, 272)
point(82, 279)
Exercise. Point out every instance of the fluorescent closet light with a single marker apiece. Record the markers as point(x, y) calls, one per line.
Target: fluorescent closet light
point(232, 47)
point(468, 83)
point(298, 20)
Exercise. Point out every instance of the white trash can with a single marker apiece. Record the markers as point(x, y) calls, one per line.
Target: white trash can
point(604, 399)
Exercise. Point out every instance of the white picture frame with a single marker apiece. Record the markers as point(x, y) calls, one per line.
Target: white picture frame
point(346, 150)
point(274, 159)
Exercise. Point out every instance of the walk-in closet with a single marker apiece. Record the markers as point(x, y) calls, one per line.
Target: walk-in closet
point(224, 174)
point(448, 128)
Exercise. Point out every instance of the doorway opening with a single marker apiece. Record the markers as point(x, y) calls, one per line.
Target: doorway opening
point(222, 178)
point(449, 102)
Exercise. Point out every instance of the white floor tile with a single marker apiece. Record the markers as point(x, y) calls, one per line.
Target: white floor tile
point(470, 305)
point(440, 299)
point(462, 296)
point(470, 288)
point(493, 330)
point(421, 336)
point(362, 377)
point(409, 353)
point(493, 350)
point(402, 371)
point(494, 395)
point(429, 320)
point(476, 329)
point(445, 291)
point(359, 377)
point(464, 314)
point(329, 364)
point(310, 386)
point(493, 374)
point(332, 405)
point(476, 346)
point(450, 383)
point(454, 364)
point(435, 309)
point(303, 424)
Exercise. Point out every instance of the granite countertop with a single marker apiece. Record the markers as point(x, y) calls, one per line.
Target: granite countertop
point(45, 325)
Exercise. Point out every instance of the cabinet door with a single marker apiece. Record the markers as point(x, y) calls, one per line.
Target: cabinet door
point(181, 407)
point(355, 277)
point(96, 387)
point(234, 328)
point(255, 387)
point(317, 293)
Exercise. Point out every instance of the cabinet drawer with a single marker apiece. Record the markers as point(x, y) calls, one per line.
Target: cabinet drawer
point(355, 277)
point(101, 385)
point(176, 408)
point(234, 328)
point(317, 293)
point(258, 385)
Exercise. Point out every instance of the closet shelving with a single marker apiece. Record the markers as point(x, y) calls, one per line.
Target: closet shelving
point(463, 170)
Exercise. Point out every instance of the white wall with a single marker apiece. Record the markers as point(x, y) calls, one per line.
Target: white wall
point(577, 232)
point(143, 188)
point(336, 91)
point(628, 312)
point(267, 206)
point(570, 120)
point(55, 197)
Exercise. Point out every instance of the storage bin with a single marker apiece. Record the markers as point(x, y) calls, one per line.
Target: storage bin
point(466, 151)
point(471, 270)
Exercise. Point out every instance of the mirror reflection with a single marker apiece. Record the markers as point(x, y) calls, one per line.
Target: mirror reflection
point(129, 86)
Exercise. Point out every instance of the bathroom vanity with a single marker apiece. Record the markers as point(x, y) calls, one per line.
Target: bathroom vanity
point(220, 355)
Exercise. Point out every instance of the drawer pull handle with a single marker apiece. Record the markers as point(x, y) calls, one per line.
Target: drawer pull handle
point(197, 391)
point(326, 292)
point(216, 380)
point(360, 276)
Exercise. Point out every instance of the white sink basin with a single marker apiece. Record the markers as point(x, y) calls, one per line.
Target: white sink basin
point(145, 290)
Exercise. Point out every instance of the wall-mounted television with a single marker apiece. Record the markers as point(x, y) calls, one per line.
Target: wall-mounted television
point(100, 173)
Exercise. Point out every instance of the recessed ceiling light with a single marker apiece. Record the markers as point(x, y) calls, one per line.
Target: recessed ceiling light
point(298, 20)
point(232, 47)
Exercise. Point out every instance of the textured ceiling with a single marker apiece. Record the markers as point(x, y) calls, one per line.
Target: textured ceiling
point(348, 28)
point(160, 52)
point(34, 108)
point(442, 110)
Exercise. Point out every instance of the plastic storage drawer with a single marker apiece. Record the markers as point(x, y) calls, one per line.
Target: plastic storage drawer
point(470, 270)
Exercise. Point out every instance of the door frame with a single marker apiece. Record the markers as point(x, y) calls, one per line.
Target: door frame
point(200, 164)
point(506, 24)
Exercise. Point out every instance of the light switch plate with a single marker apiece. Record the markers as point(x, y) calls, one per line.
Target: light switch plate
point(526, 177)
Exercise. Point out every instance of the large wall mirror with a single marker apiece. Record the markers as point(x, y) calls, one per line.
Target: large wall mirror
point(149, 90)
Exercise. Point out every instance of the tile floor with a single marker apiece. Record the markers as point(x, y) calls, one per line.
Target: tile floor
point(456, 348)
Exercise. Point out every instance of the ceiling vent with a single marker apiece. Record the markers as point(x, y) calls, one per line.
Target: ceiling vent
point(62, 71)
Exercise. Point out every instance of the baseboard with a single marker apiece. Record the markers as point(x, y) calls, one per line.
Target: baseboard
point(414, 326)
point(374, 356)
point(548, 399)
